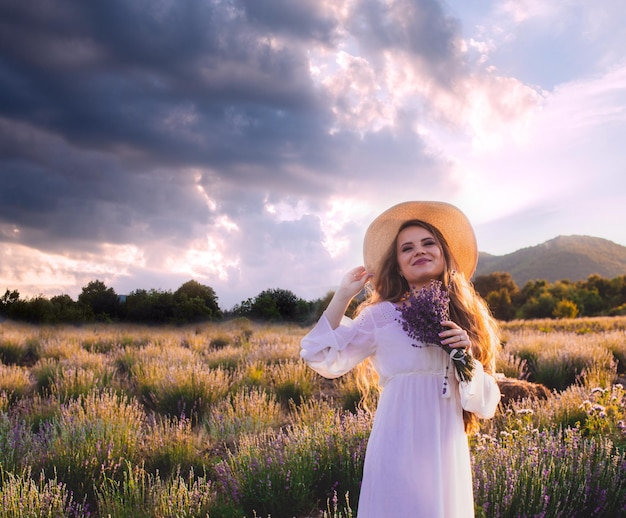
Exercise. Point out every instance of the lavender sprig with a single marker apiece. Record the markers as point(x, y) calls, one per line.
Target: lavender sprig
point(422, 314)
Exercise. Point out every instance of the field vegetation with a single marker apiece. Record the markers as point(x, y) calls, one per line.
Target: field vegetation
point(223, 419)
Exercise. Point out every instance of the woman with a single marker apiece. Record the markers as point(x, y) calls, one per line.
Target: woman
point(417, 462)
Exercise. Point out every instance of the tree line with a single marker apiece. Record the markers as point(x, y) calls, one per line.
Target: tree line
point(595, 296)
point(195, 302)
point(191, 302)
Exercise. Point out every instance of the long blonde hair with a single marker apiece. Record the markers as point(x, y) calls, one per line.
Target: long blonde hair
point(467, 308)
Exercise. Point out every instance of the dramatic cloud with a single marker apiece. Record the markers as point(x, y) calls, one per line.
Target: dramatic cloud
point(248, 144)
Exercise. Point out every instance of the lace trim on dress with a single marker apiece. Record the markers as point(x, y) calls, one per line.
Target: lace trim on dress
point(381, 314)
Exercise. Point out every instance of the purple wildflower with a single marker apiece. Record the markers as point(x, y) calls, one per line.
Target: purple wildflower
point(422, 314)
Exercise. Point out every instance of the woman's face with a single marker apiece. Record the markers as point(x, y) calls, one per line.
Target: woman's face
point(420, 257)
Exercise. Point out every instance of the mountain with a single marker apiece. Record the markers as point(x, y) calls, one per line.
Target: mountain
point(565, 257)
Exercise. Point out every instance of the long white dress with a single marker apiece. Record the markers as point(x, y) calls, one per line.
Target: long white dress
point(417, 463)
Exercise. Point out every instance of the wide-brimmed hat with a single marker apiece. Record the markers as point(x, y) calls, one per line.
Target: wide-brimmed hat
point(450, 221)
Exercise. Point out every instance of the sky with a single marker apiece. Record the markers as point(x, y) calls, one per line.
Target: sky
point(248, 144)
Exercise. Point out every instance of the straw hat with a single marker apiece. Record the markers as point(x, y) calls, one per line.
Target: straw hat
point(450, 221)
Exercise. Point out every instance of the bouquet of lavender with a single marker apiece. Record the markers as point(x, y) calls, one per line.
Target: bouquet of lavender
point(422, 314)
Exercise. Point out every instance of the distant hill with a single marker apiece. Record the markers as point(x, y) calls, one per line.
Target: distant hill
point(565, 257)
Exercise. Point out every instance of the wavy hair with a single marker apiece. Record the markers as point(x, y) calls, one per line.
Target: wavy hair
point(467, 307)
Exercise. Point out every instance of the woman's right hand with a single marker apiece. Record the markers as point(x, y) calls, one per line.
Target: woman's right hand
point(351, 284)
point(354, 281)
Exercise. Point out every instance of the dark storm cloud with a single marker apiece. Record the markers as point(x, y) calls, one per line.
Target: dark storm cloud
point(51, 190)
point(112, 113)
point(108, 95)
point(420, 28)
point(188, 82)
point(302, 19)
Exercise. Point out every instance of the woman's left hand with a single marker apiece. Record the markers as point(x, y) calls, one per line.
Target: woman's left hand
point(455, 337)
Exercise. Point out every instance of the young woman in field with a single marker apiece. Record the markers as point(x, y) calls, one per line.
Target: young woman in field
point(417, 462)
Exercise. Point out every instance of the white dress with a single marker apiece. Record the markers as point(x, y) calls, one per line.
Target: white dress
point(417, 463)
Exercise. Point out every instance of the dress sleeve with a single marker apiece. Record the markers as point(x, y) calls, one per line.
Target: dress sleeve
point(333, 352)
point(481, 394)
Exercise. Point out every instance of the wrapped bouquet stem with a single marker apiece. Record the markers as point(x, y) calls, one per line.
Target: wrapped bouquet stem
point(421, 315)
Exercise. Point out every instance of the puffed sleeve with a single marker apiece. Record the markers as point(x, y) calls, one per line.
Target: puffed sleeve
point(481, 394)
point(333, 352)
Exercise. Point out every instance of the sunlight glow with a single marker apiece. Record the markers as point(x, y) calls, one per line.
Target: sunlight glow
point(203, 259)
point(210, 202)
point(341, 211)
point(225, 222)
point(523, 10)
point(286, 211)
point(33, 272)
point(500, 108)
point(9, 231)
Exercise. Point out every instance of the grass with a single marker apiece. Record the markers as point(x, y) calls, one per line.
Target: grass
point(172, 446)
point(15, 382)
point(293, 471)
point(180, 389)
point(144, 495)
point(24, 496)
point(90, 440)
point(225, 420)
point(558, 360)
point(248, 411)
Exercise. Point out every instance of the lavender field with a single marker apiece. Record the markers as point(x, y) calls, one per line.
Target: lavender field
point(224, 420)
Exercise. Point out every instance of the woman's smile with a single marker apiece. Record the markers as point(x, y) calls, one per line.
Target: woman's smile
point(419, 255)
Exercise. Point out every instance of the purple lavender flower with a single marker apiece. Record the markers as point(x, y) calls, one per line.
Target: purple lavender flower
point(422, 314)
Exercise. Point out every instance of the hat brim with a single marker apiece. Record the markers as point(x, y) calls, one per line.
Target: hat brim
point(450, 221)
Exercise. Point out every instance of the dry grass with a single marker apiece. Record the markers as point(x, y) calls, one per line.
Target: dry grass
point(131, 408)
point(559, 359)
point(15, 382)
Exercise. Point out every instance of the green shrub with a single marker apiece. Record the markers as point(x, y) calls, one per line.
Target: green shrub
point(511, 365)
point(219, 342)
point(73, 382)
point(615, 341)
point(100, 345)
point(558, 360)
point(143, 495)
point(252, 375)
point(248, 411)
point(37, 412)
point(45, 372)
point(22, 497)
point(125, 360)
point(91, 440)
point(11, 352)
point(606, 414)
point(229, 358)
point(291, 381)
point(565, 309)
point(181, 389)
point(15, 382)
point(16, 443)
point(561, 410)
point(170, 445)
point(283, 473)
